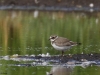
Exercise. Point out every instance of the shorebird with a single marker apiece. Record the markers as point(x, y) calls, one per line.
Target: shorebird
point(61, 43)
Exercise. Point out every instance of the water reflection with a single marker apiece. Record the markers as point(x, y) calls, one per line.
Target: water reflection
point(60, 70)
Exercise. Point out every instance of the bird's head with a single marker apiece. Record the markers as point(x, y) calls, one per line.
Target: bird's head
point(53, 37)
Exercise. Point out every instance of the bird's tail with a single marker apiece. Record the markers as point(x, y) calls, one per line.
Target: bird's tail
point(74, 43)
point(78, 43)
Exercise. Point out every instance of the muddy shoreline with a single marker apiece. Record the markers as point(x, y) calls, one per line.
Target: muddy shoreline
point(51, 4)
point(60, 3)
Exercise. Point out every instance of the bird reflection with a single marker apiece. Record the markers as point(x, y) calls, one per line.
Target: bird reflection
point(60, 70)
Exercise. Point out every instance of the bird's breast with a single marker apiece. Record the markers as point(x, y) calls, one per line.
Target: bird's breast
point(60, 47)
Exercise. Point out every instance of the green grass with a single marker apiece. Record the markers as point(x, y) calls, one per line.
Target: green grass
point(23, 32)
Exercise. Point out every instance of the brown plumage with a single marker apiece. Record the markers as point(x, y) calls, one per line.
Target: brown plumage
point(64, 42)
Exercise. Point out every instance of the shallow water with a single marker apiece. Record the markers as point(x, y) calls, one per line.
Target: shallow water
point(26, 33)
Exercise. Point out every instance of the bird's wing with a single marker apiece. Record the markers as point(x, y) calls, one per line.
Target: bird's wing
point(62, 42)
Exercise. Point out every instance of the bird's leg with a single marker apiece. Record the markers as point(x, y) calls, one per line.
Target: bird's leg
point(62, 53)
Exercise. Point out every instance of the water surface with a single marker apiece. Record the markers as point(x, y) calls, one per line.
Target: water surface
point(27, 33)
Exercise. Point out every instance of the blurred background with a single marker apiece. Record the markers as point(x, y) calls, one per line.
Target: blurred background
point(26, 25)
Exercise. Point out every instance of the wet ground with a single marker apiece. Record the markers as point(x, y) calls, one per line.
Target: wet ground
point(51, 4)
point(65, 58)
point(83, 60)
point(62, 3)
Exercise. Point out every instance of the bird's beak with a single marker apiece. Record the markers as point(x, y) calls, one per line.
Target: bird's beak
point(49, 39)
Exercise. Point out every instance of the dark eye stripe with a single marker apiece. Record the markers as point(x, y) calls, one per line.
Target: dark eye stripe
point(53, 37)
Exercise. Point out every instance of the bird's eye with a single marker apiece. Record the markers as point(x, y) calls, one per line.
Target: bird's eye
point(53, 37)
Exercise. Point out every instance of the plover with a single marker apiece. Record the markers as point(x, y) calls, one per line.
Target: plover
point(61, 43)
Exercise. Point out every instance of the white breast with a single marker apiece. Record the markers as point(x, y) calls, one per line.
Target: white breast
point(61, 48)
